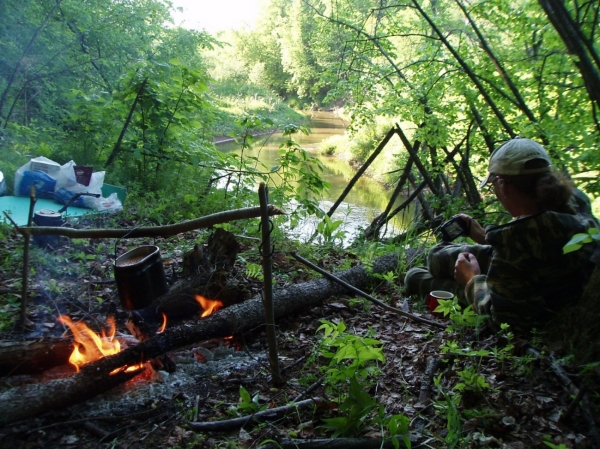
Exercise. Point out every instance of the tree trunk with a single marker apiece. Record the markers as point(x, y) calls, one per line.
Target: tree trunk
point(31, 400)
point(585, 57)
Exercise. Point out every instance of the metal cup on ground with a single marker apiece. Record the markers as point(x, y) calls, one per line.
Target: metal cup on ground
point(50, 218)
point(140, 277)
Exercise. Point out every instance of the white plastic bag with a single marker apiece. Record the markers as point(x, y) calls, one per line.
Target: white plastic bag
point(112, 204)
point(67, 187)
point(66, 178)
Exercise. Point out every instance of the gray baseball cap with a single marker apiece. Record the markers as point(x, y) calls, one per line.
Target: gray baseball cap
point(510, 159)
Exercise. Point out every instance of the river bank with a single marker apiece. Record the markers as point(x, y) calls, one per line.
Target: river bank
point(365, 201)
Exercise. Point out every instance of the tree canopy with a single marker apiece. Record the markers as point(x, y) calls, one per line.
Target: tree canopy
point(101, 79)
point(474, 71)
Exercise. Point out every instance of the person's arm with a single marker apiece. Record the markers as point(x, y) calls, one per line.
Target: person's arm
point(476, 231)
point(468, 273)
point(478, 295)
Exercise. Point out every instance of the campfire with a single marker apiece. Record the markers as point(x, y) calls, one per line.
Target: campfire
point(90, 346)
point(209, 306)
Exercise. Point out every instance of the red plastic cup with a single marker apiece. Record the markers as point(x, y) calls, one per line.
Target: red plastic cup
point(432, 300)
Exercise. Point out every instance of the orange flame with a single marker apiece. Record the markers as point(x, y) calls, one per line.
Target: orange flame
point(162, 328)
point(209, 306)
point(89, 346)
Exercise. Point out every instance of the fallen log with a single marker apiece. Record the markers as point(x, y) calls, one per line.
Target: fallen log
point(367, 296)
point(28, 356)
point(34, 355)
point(31, 400)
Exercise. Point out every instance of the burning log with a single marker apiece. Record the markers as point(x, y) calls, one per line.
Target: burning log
point(208, 272)
point(32, 400)
point(95, 378)
point(33, 356)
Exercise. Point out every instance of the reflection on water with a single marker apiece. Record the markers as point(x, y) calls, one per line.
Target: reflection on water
point(366, 200)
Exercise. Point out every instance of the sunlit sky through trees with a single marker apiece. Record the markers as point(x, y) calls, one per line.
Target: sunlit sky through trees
point(216, 15)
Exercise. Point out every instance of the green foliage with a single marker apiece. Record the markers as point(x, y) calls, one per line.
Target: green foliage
point(398, 426)
point(9, 311)
point(444, 80)
point(249, 404)
point(254, 270)
point(356, 409)
point(389, 277)
point(578, 240)
point(151, 72)
point(471, 380)
point(461, 319)
point(556, 446)
point(348, 376)
point(349, 354)
point(329, 233)
point(449, 408)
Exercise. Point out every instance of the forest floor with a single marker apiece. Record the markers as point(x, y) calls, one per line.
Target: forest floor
point(504, 397)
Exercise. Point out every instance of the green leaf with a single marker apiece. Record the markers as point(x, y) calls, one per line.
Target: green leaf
point(577, 238)
point(570, 248)
point(338, 425)
point(346, 352)
point(244, 395)
point(369, 353)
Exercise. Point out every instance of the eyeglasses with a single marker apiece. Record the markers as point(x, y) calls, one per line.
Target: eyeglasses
point(492, 180)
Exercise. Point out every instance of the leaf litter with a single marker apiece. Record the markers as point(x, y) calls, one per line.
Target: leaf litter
point(520, 405)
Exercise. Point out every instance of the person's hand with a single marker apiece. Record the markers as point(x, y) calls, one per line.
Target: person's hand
point(465, 268)
point(476, 231)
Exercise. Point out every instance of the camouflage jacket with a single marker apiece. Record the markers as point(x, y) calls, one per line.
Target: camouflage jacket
point(529, 278)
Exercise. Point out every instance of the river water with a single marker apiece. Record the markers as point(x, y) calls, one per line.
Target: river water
point(366, 200)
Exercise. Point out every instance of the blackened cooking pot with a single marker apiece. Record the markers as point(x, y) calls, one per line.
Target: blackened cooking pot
point(140, 277)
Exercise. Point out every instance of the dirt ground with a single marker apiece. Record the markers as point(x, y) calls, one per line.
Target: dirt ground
point(520, 402)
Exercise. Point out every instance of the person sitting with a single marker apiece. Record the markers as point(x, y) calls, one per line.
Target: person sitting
point(517, 273)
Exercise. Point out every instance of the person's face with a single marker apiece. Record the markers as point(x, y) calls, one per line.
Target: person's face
point(495, 186)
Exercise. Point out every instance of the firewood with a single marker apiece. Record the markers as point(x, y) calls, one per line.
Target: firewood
point(28, 356)
point(95, 377)
point(31, 400)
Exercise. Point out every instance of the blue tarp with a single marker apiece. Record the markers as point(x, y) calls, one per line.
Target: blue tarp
point(18, 208)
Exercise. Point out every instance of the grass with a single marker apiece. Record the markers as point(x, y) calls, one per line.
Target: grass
point(236, 101)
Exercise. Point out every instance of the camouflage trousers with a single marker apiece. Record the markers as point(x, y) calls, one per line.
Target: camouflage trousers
point(439, 274)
